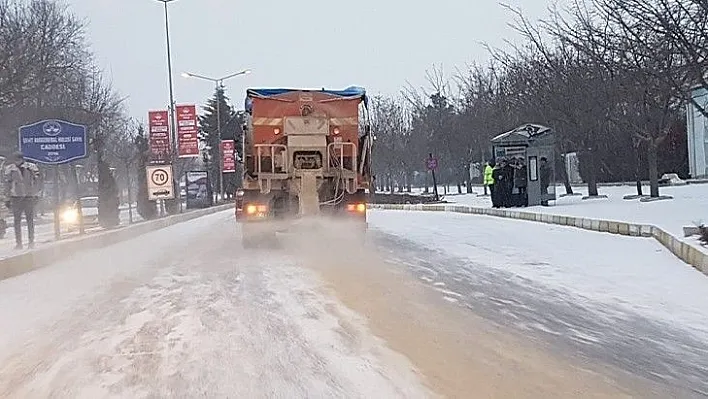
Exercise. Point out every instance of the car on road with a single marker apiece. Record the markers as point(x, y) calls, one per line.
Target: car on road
point(89, 212)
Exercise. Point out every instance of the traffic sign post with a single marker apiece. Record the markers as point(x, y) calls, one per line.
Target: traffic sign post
point(160, 184)
point(57, 217)
point(54, 142)
point(161, 130)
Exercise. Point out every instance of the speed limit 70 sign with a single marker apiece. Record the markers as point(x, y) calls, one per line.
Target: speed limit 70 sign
point(159, 181)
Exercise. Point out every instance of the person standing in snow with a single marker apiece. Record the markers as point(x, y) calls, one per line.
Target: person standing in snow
point(488, 178)
point(22, 187)
point(497, 189)
point(545, 172)
point(508, 184)
point(520, 182)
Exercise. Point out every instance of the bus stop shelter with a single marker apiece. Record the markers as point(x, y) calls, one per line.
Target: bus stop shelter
point(535, 144)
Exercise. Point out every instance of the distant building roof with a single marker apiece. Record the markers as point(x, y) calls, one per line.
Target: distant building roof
point(523, 133)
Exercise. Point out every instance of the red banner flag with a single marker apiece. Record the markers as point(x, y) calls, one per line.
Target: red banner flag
point(187, 131)
point(159, 135)
point(228, 163)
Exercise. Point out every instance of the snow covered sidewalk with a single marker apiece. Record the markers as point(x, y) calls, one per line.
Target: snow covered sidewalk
point(664, 220)
point(688, 207)
point(44, 234)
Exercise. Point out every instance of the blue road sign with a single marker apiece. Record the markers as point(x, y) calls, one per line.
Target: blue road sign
point(53, 142)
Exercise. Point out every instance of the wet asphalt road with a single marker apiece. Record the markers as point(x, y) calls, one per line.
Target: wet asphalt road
point(589, 330)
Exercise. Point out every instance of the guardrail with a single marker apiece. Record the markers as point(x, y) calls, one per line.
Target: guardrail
point(22, 263)
point(684, 251)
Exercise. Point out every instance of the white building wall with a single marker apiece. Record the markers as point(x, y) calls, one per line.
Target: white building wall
point(697, 130)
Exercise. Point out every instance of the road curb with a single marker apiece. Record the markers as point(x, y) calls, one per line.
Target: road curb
point(22, 263)
point(684, 251)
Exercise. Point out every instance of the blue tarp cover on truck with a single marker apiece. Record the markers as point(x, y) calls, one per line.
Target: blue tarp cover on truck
point(349, 92)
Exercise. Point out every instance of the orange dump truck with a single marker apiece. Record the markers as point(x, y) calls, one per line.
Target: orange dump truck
point(307, 154)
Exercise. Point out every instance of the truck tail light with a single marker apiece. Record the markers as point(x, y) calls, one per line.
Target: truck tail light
point(360, 208)
point(253, 209)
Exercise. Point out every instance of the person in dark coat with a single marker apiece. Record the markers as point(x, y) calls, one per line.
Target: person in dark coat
point(521, 182)
point(508, 184)
point(545, 172)
point(23, 184)
point(497, 187)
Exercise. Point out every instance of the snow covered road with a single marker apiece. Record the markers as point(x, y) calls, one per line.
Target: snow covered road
point(183, 312)
point(186, 312)
point(618, 300)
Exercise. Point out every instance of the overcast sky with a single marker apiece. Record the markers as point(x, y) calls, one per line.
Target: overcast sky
point(377, 44)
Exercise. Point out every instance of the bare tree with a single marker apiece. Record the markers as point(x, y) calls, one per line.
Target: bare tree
point(638, 63)
point(42, 46)
point(126, 152)
point(575, 92)
point(610, 85)
point(654, 76)
point(682, 25)
point(390, 124)
point(47, 71)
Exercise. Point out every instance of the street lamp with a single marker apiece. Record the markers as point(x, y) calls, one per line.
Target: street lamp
point(219, 84)
point(173, 133)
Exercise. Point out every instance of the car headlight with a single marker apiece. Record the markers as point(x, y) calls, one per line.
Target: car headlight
point(70, 215)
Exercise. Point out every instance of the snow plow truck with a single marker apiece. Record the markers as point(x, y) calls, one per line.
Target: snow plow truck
point(307, 156)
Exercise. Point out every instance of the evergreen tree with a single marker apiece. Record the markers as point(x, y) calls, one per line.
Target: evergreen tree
point(208, 134)
point(108, 201)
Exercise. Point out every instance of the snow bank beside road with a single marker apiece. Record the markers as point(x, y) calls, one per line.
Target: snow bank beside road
point(689, 206)
point(635, 274)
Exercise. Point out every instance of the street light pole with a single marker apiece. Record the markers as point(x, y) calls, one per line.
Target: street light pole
point(219, 83)
point(173, 132)
point(169, 67)
point(218, 133)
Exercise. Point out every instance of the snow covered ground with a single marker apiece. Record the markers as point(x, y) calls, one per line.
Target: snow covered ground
point(636, 274)
point(622, 300)
point(180, 313)
point(689, 206)
point(185, 311)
